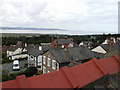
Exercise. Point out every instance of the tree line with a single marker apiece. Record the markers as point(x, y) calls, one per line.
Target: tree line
point(95, 39)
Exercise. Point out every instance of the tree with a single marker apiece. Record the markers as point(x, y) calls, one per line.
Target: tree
point(30, 71)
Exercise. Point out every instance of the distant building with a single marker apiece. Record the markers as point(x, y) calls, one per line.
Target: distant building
point(108, 46)
point(17, 51)
point(86, 44)
point(62, 43)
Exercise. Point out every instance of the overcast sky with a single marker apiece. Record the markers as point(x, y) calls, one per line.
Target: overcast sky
point(75, 16)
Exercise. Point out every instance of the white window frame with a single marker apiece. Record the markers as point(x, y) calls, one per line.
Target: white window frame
point(48, 62)
point(39, 60)
point(57, 66)
point(44, 59)
point(44, 70)
point(62, 46)
point(48, 71)
point(53, 64)
point(32, 57)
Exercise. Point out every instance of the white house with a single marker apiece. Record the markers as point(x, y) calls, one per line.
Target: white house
point(16, 52)
point(99, 49)
point(35, 58)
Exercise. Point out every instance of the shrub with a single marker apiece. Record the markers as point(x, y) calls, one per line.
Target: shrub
point(6, 61)
point(30, 71)
point(26, 65)
point(13, 75)
point(4, 75)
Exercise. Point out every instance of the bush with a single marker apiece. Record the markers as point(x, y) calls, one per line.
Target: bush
point(12, 76)
point(40, 72)
point(26, 65)
point(4, 75)
point(30, 71)
point(6, 61)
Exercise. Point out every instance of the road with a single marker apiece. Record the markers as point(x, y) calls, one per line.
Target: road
point(8, 66)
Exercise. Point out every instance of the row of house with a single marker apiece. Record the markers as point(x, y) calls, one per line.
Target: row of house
point(55, 58)
point(52, 56)
point(61, 52)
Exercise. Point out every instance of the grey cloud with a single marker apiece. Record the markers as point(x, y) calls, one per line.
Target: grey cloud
point(98, 15)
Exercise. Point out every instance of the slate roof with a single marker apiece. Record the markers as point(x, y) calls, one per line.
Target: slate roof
point(29, 47)
point(106, 47)
point(108, 81)
point(79, 53)
point(34, 52)
point(63, 41)
point(12, 48)
point(45, 48)
point(98, 55)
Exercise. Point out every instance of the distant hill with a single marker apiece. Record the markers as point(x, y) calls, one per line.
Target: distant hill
point(28, 28)
point(25, 34)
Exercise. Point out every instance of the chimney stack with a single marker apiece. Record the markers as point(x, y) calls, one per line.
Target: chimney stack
point(40, 47)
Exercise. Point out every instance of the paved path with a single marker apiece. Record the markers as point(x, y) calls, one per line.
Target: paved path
point(8, 66)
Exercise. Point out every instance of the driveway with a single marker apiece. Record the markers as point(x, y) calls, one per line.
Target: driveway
point(8, 66)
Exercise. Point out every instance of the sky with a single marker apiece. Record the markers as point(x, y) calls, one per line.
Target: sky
point(74, 16)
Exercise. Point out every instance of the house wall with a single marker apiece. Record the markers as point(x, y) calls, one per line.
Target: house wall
point(24, 50)
point(9, 53)
point(31, 60)
point(70, 45)
point(52, 59)
point(99, 49)
point(35, 61)
point(17, 51)
point(19, 56)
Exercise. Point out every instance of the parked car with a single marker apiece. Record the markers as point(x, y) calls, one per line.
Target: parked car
point(16, 65)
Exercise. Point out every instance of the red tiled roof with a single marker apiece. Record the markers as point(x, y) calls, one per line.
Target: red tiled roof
point(74, 77)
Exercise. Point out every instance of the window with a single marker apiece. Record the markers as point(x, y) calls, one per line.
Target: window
point(53, 64)
point(62, 46)
point(44, 59)
point(39, 60)
point(32, 58)
point(48, 71)
point(57, 66)
point(44, 69)
point(49, 62)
